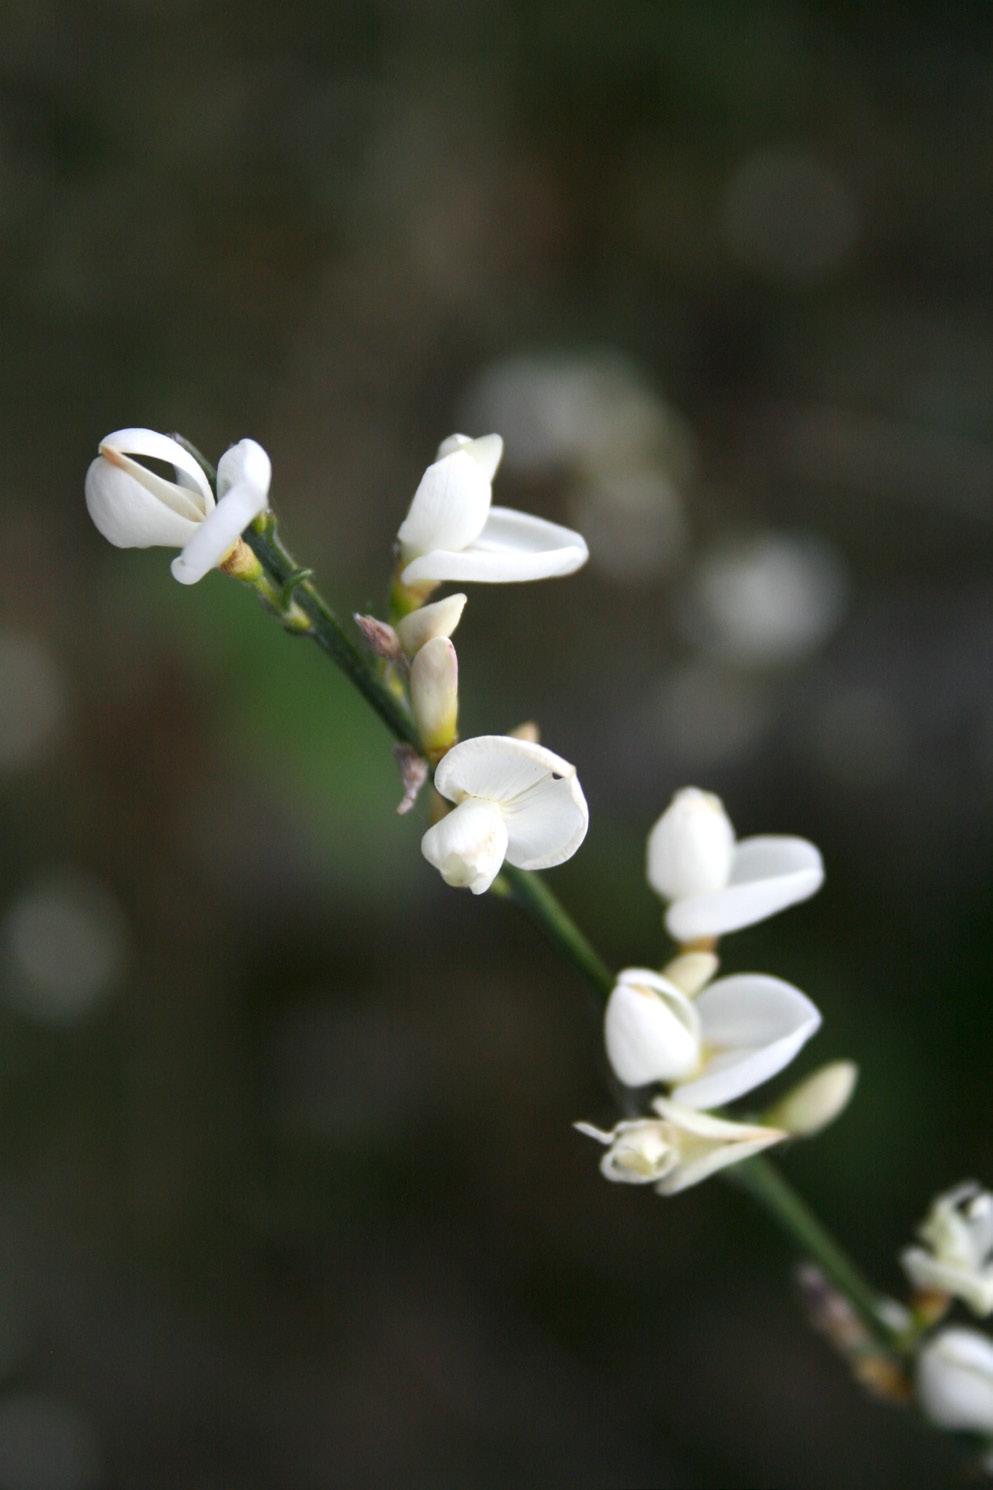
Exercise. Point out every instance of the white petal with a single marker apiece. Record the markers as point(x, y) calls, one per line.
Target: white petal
point(434, 693)
point(955, 1380)
point(975, 1288)
point(690, 848)
point(218, 533)
point(708, 1144)
point(651, 1030)
point(547, 823)
point(767, 874)
point(751, 1026)
point(128, 515)
point(125, 443)
point(468, 846)
point(497, 767)
point(448, 510)
point(429, 621)
point(244, 464)
point(512, 547)
point(486, 449)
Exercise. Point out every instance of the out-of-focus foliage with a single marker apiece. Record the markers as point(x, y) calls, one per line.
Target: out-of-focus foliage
point(289, 1192)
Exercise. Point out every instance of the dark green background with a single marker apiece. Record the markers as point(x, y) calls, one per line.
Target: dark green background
point(294, 1202)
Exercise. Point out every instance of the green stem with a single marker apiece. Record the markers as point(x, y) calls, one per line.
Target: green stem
point(328, 632)
point(531, 893)
point(766, 1185)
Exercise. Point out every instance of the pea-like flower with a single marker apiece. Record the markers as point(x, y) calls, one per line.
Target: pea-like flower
point(678, 1149)
point(134, 506)
point(957, 1257)
point(738, 1033)
point(955, 1380)
point(515, 800)
point(715, 884)
point(452, 532)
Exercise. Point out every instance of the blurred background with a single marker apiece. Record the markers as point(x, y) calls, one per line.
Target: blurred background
point(289, 1196)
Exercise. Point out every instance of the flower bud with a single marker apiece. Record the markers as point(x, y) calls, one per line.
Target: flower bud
point(691, 846)
point(816, 1101)
point(434, 695)
point(955, 1380)
point(691, 971)
point(429, 621)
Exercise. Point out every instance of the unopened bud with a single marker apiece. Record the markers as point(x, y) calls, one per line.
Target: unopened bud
point(817, 1101)
point(413, 774)
point(381, 638)
point(527, 731)
point(429, 621)
point(434, 695)
point(691, 971)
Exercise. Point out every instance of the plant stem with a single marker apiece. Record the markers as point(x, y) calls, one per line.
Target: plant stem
point(765, 1184)
point(330, 635)
point(531, 893)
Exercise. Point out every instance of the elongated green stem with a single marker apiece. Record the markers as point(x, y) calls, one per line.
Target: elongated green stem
point(531, 893)
point(329, 634)
point(765, 1184)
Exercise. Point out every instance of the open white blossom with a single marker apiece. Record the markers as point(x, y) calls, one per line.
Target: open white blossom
point(679, 1149)
point(955, 1380)
point(715, 884)
point(452, 532)
point(738, 1033)
point(515, 800)
point(134, 507)
point(957, 1257)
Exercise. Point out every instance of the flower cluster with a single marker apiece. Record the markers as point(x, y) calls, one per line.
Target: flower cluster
point(709, 1039)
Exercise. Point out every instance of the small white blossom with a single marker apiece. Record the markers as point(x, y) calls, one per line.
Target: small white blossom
point(452, 532)
point(134, 507)
point(958, 1254)
point(955, 1380)
point(430, 621)
point(715, 884)
point(679, 1149)
point(514, 800)
point(738, 1033)
point(817, 1100)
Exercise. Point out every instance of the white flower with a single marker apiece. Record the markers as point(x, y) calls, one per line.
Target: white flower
point(739, 1032)
point(515, 801)
point(958, 1234)
point(817, 1100)
point(451, 531)
point(681, 1149)
point(955, 1380)
point(134, 507)
point(716, 885)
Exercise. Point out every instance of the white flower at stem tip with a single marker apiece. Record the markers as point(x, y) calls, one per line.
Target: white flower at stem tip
point(955, 1380)
point(134, 507)
point(434, 694)
point(679, 1149)
point(957, 1258)
point(738, 1033)
point(453, 533)
point(816, 1101)
point(715, 884)
point(514, 800)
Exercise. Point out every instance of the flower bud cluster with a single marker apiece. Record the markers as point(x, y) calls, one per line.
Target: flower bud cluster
point(709, 1040)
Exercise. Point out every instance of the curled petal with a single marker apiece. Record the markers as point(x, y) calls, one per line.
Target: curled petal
point(767, 875)
point(707, 1144)
point(428, 621)
point(486, 449)
point(751, 1027)
point(119, 448)
point(691, 847)
point(547, 824)
point(651, 1030)
point(955, 1380)
point(219, 532)
point(244, 464)
point(512, 546)
point(129, 515)
point(468, 846)
point(639, 1153)
point(448, 510)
